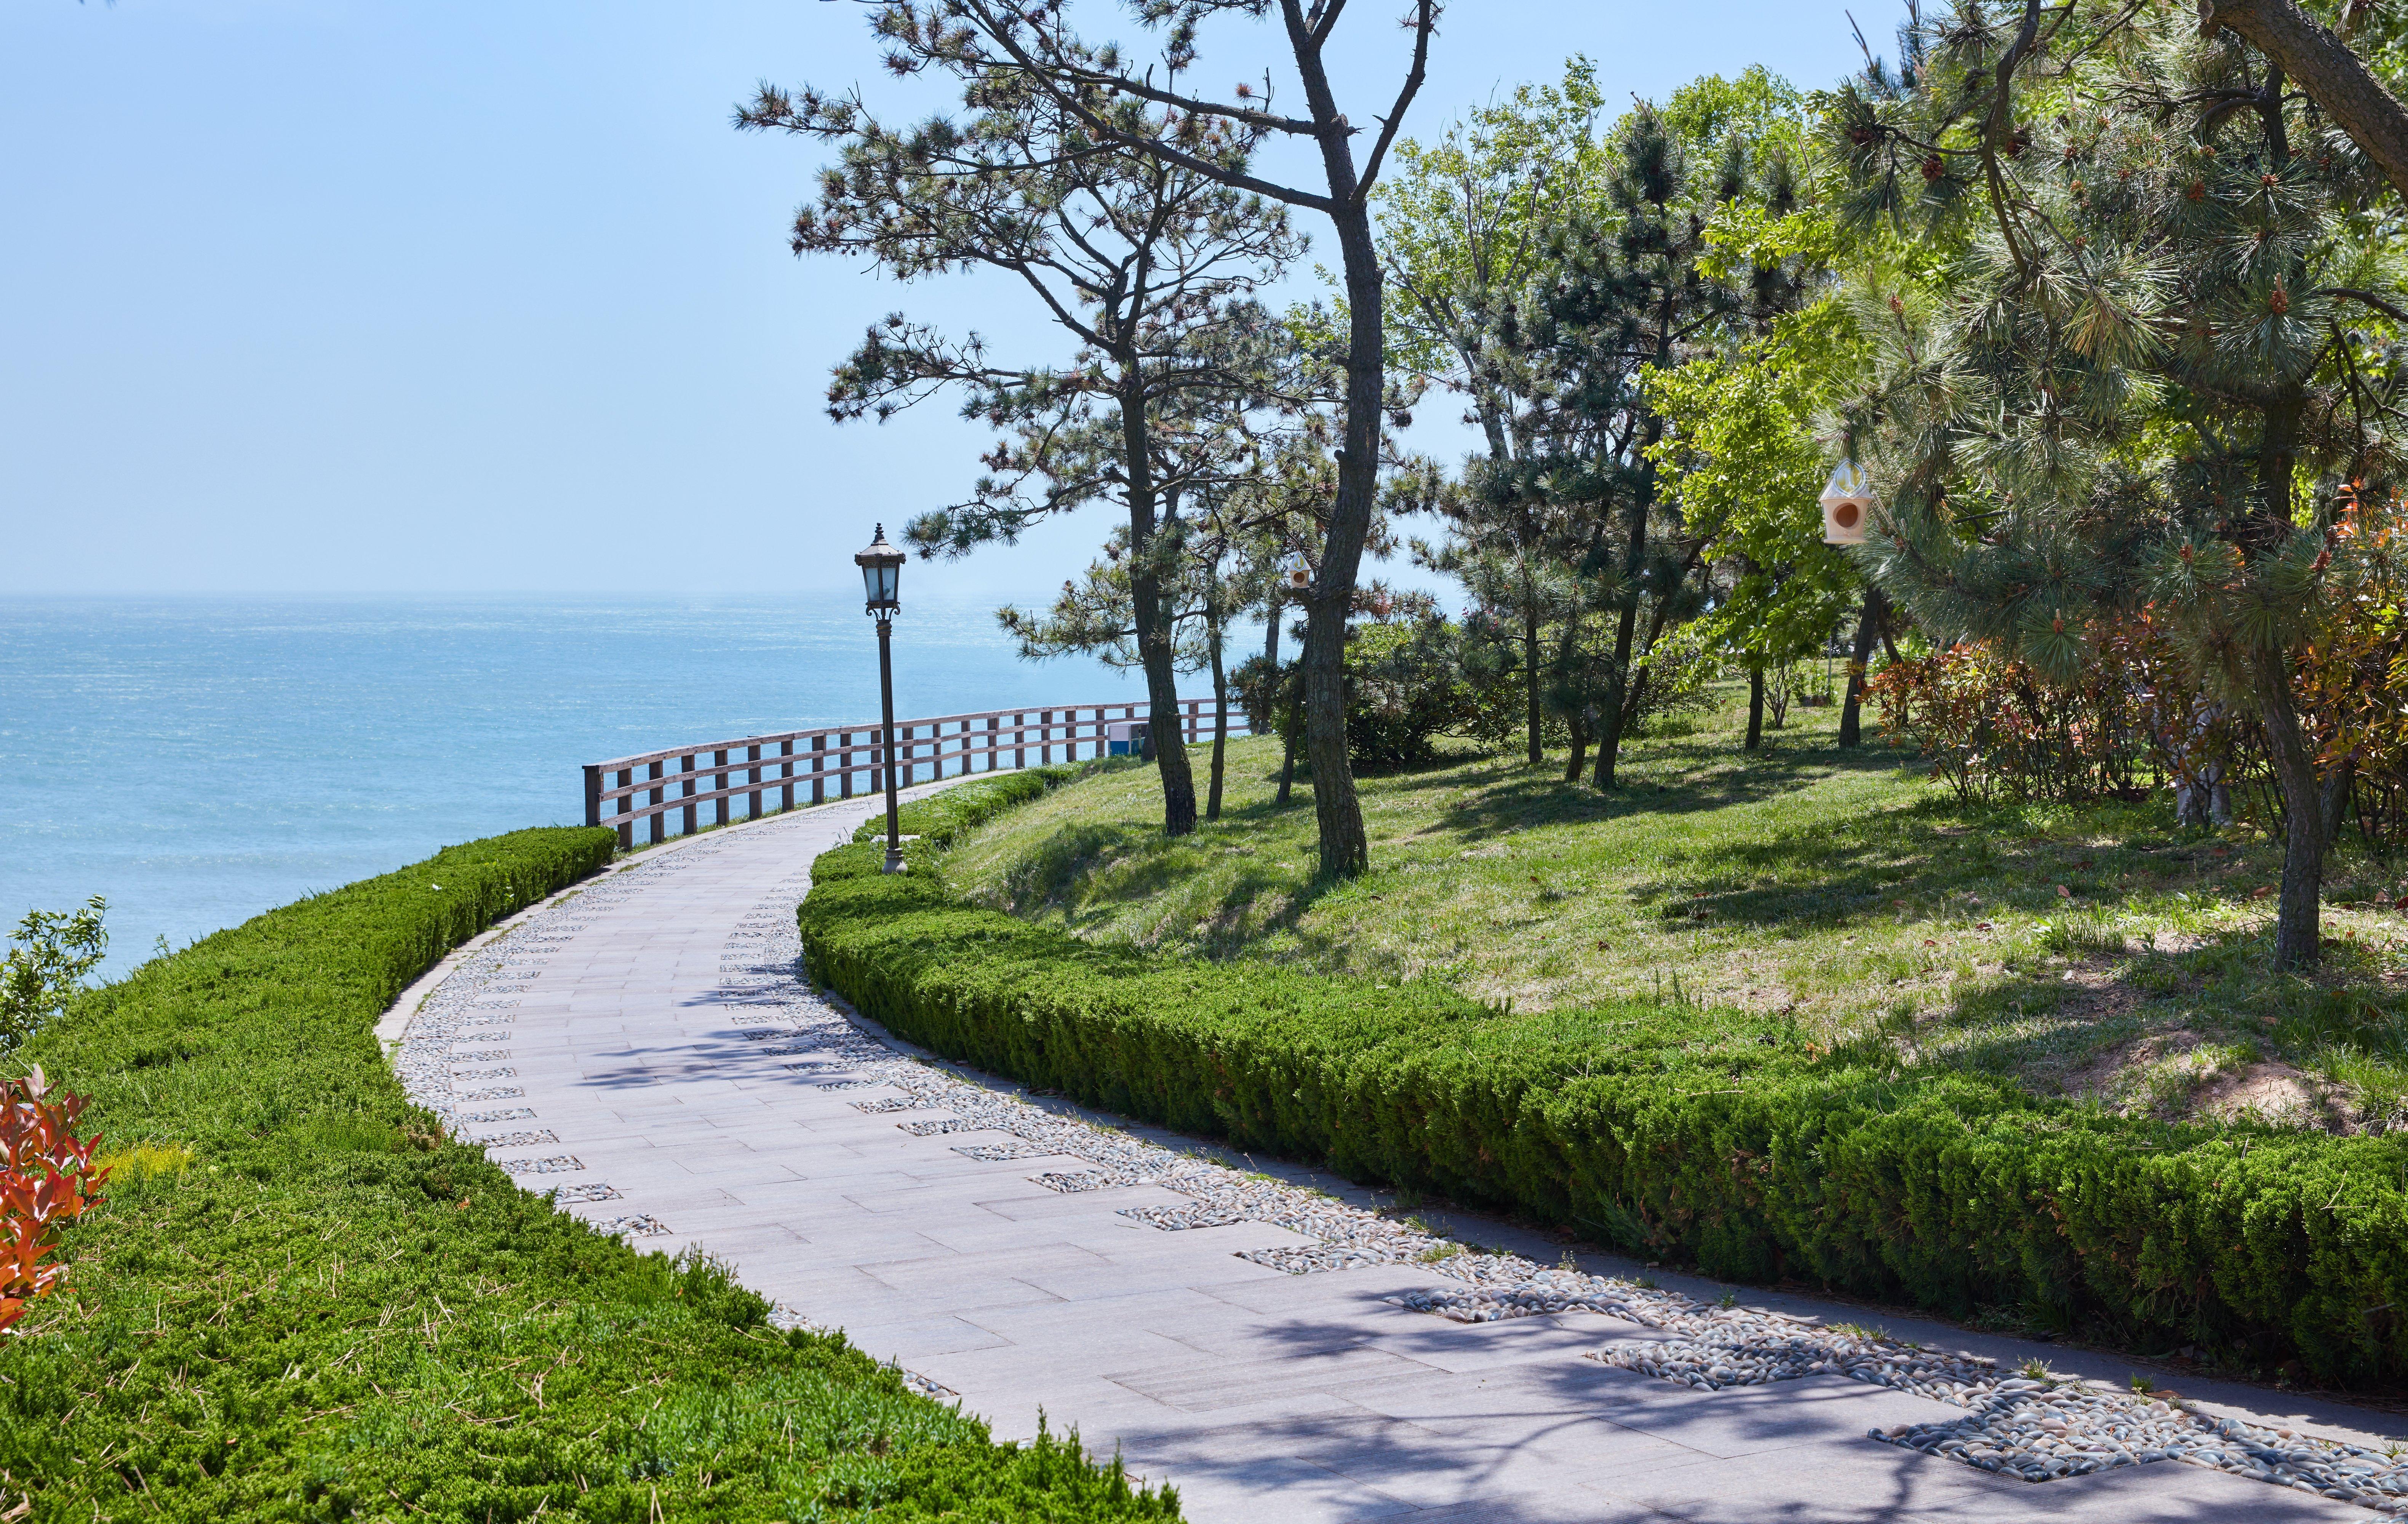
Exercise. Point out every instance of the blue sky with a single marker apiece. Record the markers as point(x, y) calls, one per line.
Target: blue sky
point(310, 296)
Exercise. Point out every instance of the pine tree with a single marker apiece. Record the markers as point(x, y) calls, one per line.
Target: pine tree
point(1022, 52)
point(2157, 362)
point(1147, 265)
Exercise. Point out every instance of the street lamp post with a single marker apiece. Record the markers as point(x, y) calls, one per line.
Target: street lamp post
point(882, 572)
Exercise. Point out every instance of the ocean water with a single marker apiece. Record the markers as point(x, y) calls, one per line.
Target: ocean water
point(198, 760)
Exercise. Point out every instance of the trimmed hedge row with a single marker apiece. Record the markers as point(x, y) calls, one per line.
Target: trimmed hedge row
point(1724, 1141)
point(301, 1301)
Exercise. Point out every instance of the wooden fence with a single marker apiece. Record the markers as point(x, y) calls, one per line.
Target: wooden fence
point(811, 767)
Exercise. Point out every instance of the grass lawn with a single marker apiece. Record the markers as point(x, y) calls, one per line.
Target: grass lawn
point(2084, 950)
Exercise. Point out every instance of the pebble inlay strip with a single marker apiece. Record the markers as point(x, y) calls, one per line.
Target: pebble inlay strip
point(557, 1164)
point(1074, 1181)
point(518, 1140)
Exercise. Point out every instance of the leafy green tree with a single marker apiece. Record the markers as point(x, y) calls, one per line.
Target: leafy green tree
point(1146, 263)
point(48, 960)
point(1463, 226)
point(1628, 294)
point(2158, 363)
point(1743, 460)
point(1548, 271)
point(1746, 449)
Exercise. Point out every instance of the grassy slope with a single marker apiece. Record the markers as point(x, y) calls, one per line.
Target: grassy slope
point(1847, 891)
point(302, 1302)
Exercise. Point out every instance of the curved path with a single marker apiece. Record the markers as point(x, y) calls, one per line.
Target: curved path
point(642, 1046)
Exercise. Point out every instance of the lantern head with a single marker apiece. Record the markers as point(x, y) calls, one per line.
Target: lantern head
point(882, 574)
point(1848, 502)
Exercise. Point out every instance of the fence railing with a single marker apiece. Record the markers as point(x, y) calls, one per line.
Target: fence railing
point(815, 766)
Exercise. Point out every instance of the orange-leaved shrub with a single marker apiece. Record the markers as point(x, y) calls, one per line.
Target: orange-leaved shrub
point(1996, 727)
point(47, 1180)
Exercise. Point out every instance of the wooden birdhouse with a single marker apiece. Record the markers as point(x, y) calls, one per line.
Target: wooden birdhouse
point(1848, 501)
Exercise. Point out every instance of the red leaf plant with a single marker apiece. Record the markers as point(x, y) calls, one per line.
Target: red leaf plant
point(45, 1181)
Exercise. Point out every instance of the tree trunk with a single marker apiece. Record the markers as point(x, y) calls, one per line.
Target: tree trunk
point(1851, 713)
point(1271, 635)
point(2335, 806)
point(1609, 743)
point(1580, 746)
point(2325, 66)
point(1345, 849)
point(1531, 661)
point(1609, 740)
point(1755, 708)
point(1287, 767)
point(1220, 718)
point(2298, 914)
point(1153, 642)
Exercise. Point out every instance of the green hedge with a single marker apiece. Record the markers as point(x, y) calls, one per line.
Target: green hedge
point(1722, 1141)
point(302, 1302)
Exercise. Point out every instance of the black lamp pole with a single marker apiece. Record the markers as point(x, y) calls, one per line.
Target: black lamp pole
point(886, 704)
point(882, 569)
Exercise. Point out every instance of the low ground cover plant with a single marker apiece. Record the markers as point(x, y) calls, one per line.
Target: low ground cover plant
point(302, 1300)
point(1745, 1141)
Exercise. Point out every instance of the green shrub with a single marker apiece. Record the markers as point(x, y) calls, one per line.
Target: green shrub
point(1725, 1142)
point(302, 1301)
point(1405, 687)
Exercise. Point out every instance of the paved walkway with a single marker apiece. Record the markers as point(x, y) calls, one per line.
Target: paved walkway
point(642, 1045)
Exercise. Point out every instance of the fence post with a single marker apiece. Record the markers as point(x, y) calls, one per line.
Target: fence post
point(660, 817)
point(752, 755)
point(594, 794)
point(626, 807)
point(786, 769)
point(719, 783)
point(685, 769)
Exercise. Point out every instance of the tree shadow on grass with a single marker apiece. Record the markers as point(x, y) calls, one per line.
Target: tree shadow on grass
point(1540, 798)
point(1832, 871)
point(1063, 873)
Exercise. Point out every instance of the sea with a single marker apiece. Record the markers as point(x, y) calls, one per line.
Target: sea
point(197, 760)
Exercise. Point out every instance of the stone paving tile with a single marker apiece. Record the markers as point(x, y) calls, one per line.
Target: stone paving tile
point(1277, 1292)
point(1744, 1420)
point(1570, 1505)
point(1306, 1493)
point(634, 1028)
point(1861, 1482)
point(1425, 1465)
point(1203, 1385)
point(920, 1340)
